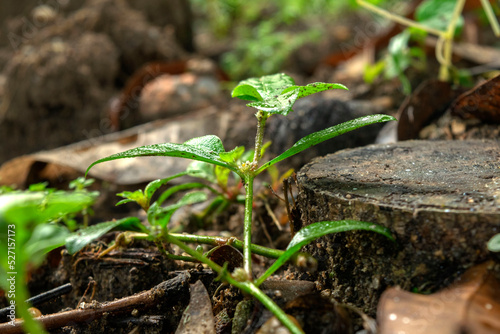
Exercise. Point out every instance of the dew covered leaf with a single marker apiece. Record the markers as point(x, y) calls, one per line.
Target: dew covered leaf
point(263, 88)
point(319, 229)
point(313, 88)
point(277, 93)
point(328, 133)
point(206, 148)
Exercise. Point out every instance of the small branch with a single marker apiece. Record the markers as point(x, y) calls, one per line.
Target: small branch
point(168, 290)
point(41, 298)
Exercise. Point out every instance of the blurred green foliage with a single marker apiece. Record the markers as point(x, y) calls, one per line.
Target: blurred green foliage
point(265, 33)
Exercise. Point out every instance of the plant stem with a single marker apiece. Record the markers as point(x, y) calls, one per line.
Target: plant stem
point(398, 19)
point(491, 17)
point(259, 137)
point(198, 256)
point(216, 241)
point(444, 70)
point(247, 225)
point(247, 286)
point(250, 288)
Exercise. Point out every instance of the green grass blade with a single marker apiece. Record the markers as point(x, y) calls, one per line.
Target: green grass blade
point(320, 136)
point(316, 230)
point(206, 148)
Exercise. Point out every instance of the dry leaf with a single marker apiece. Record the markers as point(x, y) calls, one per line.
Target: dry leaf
point(73, 160)
point(470, 305)
point(427, 102)
point(482, 102)
point(198, 317)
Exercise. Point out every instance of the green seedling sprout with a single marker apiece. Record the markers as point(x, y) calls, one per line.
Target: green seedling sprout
point(270, 95)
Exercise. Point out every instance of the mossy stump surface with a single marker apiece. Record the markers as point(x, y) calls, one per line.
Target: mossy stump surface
point(441, 200)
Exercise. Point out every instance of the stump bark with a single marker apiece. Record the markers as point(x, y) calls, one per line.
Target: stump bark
point(441, 200)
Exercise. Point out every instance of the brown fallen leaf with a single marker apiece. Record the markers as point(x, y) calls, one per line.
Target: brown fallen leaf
point(198, 317)
point(481, 102)
point(226, 254)
point(429, 101)
point(470, 305)
point(71, 161)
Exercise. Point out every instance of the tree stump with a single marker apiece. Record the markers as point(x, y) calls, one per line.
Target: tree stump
point(441, 200)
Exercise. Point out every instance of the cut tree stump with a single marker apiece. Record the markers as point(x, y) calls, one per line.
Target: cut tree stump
point(441, 200)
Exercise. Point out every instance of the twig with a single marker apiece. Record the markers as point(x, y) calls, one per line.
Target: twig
point(41, 298)
point(171, 289)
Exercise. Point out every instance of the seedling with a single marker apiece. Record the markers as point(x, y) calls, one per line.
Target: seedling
point(274, 94)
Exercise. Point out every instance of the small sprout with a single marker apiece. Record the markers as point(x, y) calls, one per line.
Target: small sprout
point(240, 275)
point(270, 95)
point(305, 262)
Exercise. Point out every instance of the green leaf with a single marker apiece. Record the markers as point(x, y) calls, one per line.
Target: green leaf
point(222, 175)
point(437, 14)
point(266, 87)
point(45, 237)
point(233, 155)
point(372, 72)
point(264, 148)
point(124, 201)
point(39, 207)
point(276, 94)
point(202, 170)
point(77, 240)
point(246, 92)
point(247, 156)
point(134, 196)
point(153, 186)
point(313, 88)
point(206, 148)
point(185, 186)
point(22, 213)
point(80, 183)
point(279, 104)
point(161, 215)
point(320, 136)
point(494, 243)
point(319, 229)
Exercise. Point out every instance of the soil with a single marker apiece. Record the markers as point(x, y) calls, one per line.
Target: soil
point(78, 72)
